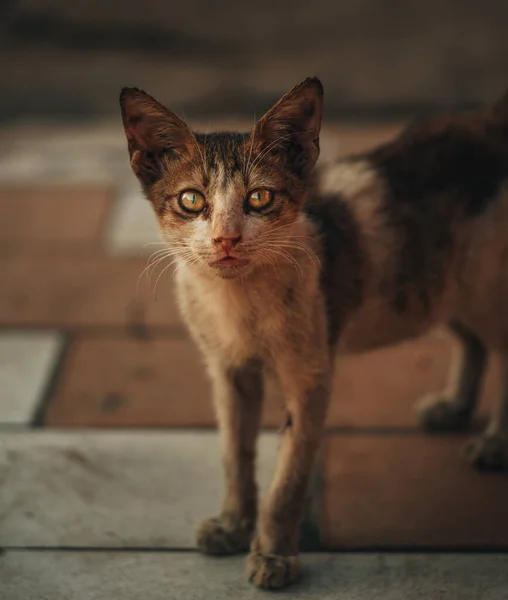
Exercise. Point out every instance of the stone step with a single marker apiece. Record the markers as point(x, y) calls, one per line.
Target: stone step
point(29, 575)
point(112, 489)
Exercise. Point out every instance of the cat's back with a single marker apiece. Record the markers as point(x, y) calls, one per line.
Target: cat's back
point(429, 212)
point(457, 161)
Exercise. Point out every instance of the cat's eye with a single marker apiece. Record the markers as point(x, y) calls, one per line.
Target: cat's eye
point(192, 201)
point(259, 199)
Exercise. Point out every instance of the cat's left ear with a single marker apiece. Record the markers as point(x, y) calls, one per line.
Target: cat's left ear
point(153, 132)
point(291, 128)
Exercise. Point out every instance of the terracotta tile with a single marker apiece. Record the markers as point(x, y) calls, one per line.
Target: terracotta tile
point(376, 393)
point(378, 389)
point(75, 290)
point(409, 490)
point(127, 382)
point(53, 215)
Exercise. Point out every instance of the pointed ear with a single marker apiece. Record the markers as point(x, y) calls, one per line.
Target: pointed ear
point(152, 131)
point(291, 128)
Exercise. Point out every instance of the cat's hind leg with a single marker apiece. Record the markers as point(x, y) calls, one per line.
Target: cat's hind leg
point(238, 395)
point(452, 409)
point(489, 451)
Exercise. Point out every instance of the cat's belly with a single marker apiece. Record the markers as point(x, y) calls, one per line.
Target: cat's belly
point(376, 324)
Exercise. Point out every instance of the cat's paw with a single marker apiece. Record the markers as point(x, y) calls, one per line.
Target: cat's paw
point(218, 536)
point(439, 414)
point(272, 571)
point(487, 452)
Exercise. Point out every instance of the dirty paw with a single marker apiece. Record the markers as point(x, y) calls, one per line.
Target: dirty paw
point(220, 536)
point(272, 571)
point(487, 452)
point(439, 414)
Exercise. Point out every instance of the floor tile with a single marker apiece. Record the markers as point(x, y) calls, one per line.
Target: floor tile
point(141, 383)
point(163, 383)
point(127, 382)
point(381, 388)
point(171, 576)
point(389, 491)
point(112, 489)
point(53, 215)
point(27, 361)
point(133, 228)
point(82, 290)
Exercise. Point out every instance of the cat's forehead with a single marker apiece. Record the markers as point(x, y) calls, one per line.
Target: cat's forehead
point(219, 162)
point(223, 152)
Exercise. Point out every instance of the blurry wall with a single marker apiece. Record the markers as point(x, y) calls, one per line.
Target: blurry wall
point(208, 57)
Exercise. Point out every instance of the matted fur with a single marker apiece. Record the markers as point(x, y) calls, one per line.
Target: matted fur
point(364, 253)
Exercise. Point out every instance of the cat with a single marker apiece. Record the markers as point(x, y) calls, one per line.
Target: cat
point(281, 264)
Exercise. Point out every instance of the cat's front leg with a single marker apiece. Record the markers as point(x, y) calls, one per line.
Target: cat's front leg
point(238, 396)
point(273, 561)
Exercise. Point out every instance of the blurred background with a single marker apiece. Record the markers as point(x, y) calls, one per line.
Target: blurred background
point(375, 58)
point(107, 433)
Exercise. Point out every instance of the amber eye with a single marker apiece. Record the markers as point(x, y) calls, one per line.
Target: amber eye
point(192, 201)
point(259, 199)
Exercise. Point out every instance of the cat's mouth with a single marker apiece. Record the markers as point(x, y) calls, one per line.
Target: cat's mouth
point(230, 262)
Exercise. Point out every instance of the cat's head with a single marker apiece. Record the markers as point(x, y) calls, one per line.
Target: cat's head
point(227, 203)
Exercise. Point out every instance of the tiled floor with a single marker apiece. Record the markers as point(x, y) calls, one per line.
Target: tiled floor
point(171, 576)
point(87, 349)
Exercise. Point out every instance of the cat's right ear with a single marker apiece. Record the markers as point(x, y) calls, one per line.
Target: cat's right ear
point(152, 132)
point(292, 126)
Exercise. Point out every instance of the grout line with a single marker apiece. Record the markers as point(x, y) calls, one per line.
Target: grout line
point(98, 549)
point(53, 380)
point(486, 549)
point(200, 428)
point(427, 550)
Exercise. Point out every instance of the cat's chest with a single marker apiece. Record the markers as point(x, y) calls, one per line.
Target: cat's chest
point(231, 319)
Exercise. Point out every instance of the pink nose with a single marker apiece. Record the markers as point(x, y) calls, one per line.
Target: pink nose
point(227, 242)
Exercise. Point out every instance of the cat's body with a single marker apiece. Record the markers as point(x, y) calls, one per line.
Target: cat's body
point(279, 267)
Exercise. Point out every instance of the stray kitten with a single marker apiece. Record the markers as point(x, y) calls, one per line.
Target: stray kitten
point(280, 267)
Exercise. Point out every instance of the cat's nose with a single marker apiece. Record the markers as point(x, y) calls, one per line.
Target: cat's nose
point(227, 242)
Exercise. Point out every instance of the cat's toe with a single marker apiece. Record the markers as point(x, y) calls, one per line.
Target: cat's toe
point(217, 536)
point(439, 414)
point(272, 571)
point(487, 452)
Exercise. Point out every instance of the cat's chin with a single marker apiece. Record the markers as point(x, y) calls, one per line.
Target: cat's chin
point(230, 272)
